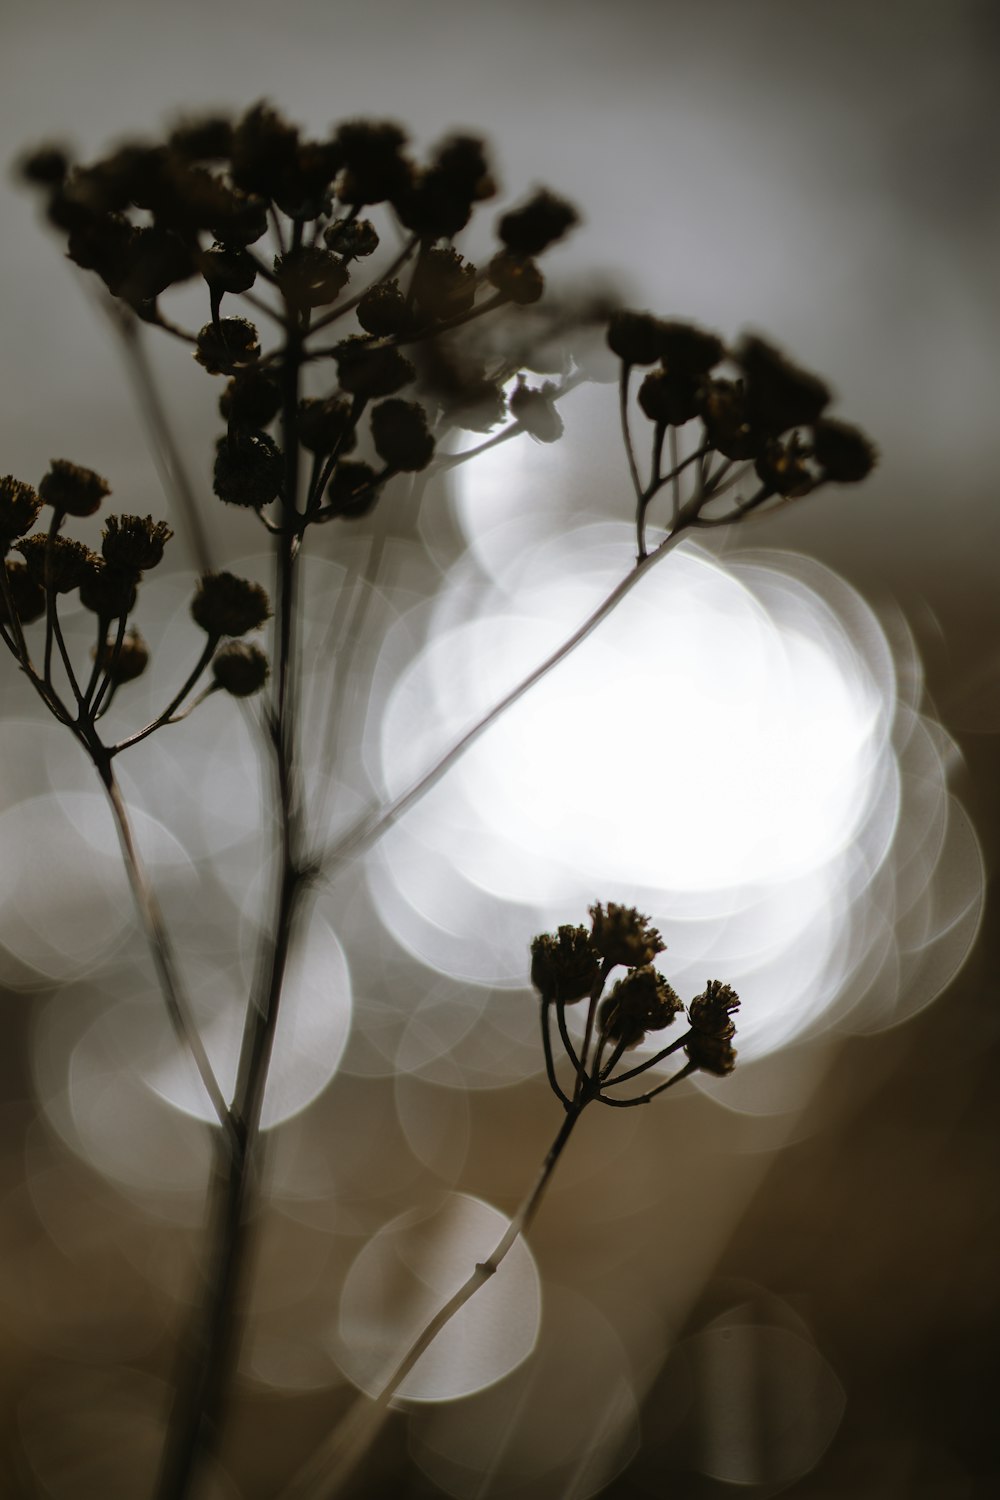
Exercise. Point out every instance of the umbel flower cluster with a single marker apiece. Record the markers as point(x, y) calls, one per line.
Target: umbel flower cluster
point(575, 963)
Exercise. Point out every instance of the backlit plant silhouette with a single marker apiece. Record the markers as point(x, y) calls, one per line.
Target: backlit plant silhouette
point(390, 343)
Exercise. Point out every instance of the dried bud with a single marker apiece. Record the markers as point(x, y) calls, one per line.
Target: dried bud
point(128, 662)
point(536, 412)
point(240, 669)
point(713, 1054)
point(444, 285)
point(249, 469)
point(543, 219)
point(310, 276)
point(642, 1001)
point(779, 394)
point(371, 370)
point(227, 346)
point(686, 348)
point(565, 965)
point(844, 453)
point(399, 432)
point(353, 490)
point(635, 337)
point(709, 1012)
point(669, 399)
point(782, 471)
point(19, 509)
point(226, 605)
point(520, 281)
point(263, 151)
point(323, 426)
point(109, 591)
point(252, 398)
point(45, 166)
point(624, 936)
point(723, 408)
point(374, 166)
point(351, 238)
point(27, 595)
point(227, 270)
point(70, 488)
point(383, 310)
point(134, 542)
point(67, 562)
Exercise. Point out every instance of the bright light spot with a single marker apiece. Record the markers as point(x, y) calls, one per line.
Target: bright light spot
point(407, 1271)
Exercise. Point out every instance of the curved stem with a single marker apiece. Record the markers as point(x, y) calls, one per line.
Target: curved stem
point(329, 1469)
point(160, 947)
point(369, 828)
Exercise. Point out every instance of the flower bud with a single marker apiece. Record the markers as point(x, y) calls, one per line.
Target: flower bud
point(226, 605)
point(353, 489)
point(371, 370)
point(351, 238)
point(70, 488)
point(399, 432)
point(669, 399)
point(310, 276)
point(109, 591)
point(844, 453)
point(383, 310)
point(779, 395)
point(781, 469)
point(227, 346)
point(374, 166)
point(134, 542)
point(686, 348)
point(252, 398)
point(240, 669)
point(323, 426)
point(249, 469)
point(635, 337)
point(529, 230)
point(67, 562)
point(565, 965)
point(713, 1054)
point(623, 936)
point(520, 281)
point(27, 596)
point(227, 270)
point(642, 1001)
point(444, 285)
point(709, 1012)
point(19, 509)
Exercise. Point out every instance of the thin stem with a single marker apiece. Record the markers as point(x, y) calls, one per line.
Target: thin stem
point(595, 995)
point(565, 1037)
point(329, 1469)
point(107, 665)
point(352, 302)
point(685, 1072)
point(550, 1067)
point(167, 716)
point(160, 947)
point(644, 1066)
point(370, 827)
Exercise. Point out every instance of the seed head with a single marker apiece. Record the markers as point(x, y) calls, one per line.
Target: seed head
point(240, 669)
point(399, 432)
point(128, 662)
point(709, 1012)
point(109, 591)
point(624, 936)
point(529, 230)
point(353, 489)
point(134, 542)
point(565, 965)
point(226, 605)
point(371, 370)
point(249, 468)
point(70, 488)
point(779, 394)
point(68, 562)
point(323, 426)
point(19, 509)
point(520, 281)
point(844, 452)
point(642, 1001)
point(228, 346)
point(27, 596)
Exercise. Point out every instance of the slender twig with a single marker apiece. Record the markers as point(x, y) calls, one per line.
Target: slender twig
point(550, 1067)
point(167, 716)
point(328, 1470)
point(370, 827)
point(685, 1072)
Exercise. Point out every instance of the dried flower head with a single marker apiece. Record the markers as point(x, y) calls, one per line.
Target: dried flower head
point(529, 230)
point(844, 453)
point(642, 1001)
point(226, 605)
point(635, 337)
point(782, 469)
point(710, 1011)
point(371, 370)
point(384, 310)
point(535, 410)
point(375, 168)
point(353, 489)
point(109, 591)
point(624, 936)
point(520, 281)
point(444, 284)
point(565, 965)
point(351, 239)
point(779, 394)
point(134, 542)
point(69, 487)
point(310, 276)
point(688, 348)
point(66, 562)
point(670, 399)
point(227, 346)
point(249, 469)
point(252, 398)
point(19, 509)
point(399, 432)
point(323, 426)
point(27, 595)
point(240, 669)
point(713, 1054)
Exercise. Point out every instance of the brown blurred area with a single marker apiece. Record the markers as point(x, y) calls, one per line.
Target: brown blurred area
point(826, 174)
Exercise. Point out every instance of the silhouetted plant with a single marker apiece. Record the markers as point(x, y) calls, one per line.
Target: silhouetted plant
point(279, 224)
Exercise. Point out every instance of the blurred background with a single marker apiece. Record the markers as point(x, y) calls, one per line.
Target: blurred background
point(785, 1281)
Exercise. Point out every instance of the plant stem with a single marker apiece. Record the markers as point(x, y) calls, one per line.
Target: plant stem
point(324, 1475)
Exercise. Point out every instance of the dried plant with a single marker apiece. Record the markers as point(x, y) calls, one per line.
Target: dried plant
point(277, 224)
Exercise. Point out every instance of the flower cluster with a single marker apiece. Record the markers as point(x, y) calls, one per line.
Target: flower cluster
point(756, 410)
point(250, 206)
point(575, 963)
